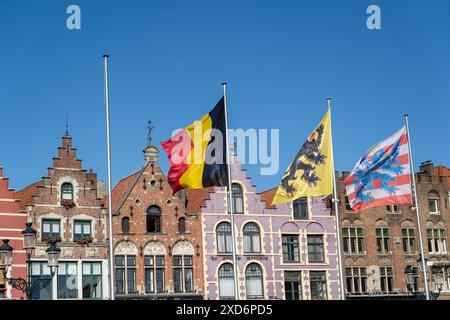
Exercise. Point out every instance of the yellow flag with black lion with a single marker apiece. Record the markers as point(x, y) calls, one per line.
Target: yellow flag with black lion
point(310, 174)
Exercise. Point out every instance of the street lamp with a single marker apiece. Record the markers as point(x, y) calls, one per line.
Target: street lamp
point(29, 241)
point(5, 254)
point(53, 255)
point(410, 277)
point(438, 278)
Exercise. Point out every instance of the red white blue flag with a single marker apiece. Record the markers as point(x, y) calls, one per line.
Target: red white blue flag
point(382, 176)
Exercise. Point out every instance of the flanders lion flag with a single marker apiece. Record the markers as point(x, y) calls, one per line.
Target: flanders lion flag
point(197, 153)
point(310, 174)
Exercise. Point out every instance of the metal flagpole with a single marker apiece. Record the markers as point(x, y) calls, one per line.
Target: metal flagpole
point(108, 145)
point(230, 197)
point(416, 208)
point(336, 210)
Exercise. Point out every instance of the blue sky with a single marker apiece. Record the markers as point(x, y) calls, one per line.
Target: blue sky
point(168, 58)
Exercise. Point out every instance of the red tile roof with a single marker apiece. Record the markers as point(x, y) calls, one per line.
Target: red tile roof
point(121, 190)
point(196, 198)
point(267, 196)
point(26, 195)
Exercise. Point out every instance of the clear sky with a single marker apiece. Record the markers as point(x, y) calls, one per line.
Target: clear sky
point(169, 57)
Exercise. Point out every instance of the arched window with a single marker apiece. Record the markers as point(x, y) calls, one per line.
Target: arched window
point(226, 281)
point(254, 281)
point(252, 238)
point(67, 191)
point(223, 233)
point(238, 198)
point(182, 225)
point(154, 219)
point(125, 225)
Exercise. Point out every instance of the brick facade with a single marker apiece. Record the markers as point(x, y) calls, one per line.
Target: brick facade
point(12, 222)
point(389, 257)
point(81, 229)
point(148, 244)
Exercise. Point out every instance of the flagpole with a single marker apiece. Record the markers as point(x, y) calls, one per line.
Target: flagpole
point(108, 146)
point(416, 208)
point(336, 211)
point(230, 197)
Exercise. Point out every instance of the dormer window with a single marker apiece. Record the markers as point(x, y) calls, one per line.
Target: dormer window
point(67, 191)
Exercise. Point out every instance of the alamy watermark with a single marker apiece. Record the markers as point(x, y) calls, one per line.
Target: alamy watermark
point(252, 146)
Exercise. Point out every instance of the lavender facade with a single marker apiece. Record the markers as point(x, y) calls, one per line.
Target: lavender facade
point(272, 247)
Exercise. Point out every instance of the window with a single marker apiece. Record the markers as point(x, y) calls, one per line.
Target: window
point(356, 280)
point(353, 240)
point(237, 198)
point(226, 281)
point(125, 274)
point(386, 280)
point(183, 274)
point(125, 225)
point(66, 191)
point(393, 208)
point(50, 228)
point(252, 238)
point(254, 281)
point(154, 219)
point(433, 205)
point(408, 240)
point(67, 280)
point(40, 270)
point(316, 249)
point(348, 207)
point(293, 285)
point(382, 235)
point(92, 280)
point(82, 229)
point(437, 239)
point(154, 274)
point(224, 241)
point(290, 248)
point(318, 285)
point(182, 225)
point(300, 209)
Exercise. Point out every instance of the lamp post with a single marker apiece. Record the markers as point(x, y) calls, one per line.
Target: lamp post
point(438, 277)
point(29, 243)
point(410, 278)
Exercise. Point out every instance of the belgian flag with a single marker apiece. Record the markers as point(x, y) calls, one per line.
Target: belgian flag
point(197, 154)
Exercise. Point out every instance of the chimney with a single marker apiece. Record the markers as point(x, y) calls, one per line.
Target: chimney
point(427, 167)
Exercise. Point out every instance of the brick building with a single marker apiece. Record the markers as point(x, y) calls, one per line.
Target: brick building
point(273, 256)
point(66, 206)
point(12, 222)
point(378, 243)
point(157, 242)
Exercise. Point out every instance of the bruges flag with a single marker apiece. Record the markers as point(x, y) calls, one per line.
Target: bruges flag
point(197, 153)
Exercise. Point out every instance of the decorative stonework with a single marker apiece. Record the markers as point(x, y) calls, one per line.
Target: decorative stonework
point(68, 253)
point(92, 252)
point(183, 248)
point(154, 248)
point(40, 252)
point(126, 247)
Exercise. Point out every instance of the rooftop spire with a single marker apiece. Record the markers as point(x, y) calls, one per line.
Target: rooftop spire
point(67, 126)
point(149, 134)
